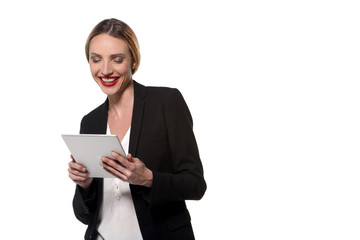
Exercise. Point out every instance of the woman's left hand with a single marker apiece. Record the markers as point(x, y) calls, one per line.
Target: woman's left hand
point(129, 169)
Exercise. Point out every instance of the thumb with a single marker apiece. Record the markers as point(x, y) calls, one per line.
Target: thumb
point(129, 157)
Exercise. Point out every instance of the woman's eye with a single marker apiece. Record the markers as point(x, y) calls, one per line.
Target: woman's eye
point(95, 60)
point(118, 60)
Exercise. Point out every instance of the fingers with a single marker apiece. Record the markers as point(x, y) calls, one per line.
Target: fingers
point(77, 179)
point(128, 169)
point(116, 171)
point(77, 166)
point(77, 172)
point(115, 167)
point(126, 162)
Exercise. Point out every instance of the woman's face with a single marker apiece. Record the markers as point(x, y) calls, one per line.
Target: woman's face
point(110, 63)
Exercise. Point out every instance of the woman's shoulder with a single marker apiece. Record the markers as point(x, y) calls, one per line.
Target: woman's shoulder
point(160, 93)
point(168, 98)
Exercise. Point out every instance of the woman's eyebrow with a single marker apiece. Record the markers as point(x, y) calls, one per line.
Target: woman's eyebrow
point(95, 55)
point(111, 56)
point(117, 55)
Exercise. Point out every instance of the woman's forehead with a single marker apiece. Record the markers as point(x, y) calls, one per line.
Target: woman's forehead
point(106, 44)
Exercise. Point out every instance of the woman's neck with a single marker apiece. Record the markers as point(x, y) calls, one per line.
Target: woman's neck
point(122, 101)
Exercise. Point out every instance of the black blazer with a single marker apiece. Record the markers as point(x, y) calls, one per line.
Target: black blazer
point(162, 137)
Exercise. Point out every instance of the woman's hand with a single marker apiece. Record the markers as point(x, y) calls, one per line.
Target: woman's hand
point(128, 169)
point(78, 173)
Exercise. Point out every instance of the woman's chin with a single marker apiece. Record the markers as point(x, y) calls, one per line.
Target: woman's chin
point(109, 91)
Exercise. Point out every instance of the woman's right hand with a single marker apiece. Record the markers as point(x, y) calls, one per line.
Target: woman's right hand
point(78, 173)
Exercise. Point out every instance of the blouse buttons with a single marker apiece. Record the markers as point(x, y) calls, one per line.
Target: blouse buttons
point(116, 188)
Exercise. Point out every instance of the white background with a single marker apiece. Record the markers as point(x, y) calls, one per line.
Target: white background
point(273, 87)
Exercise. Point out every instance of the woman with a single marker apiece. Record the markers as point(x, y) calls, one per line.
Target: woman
point(146, 199)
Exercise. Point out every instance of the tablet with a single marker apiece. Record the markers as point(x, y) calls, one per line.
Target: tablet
point(88, 149)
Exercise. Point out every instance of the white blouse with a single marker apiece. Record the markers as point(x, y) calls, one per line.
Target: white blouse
point(117, 212)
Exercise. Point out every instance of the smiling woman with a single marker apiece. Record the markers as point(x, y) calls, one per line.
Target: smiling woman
point(110, 63)
point(146, 197)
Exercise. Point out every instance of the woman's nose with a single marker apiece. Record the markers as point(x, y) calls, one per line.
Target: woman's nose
point(106, 69)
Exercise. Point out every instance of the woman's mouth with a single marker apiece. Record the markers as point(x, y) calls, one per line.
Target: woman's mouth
point(108, 81)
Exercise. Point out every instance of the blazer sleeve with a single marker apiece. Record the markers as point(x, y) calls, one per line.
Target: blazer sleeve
point(186, 182)
point(84, 203)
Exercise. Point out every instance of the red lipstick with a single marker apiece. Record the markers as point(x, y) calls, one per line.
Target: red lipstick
point(108, 81)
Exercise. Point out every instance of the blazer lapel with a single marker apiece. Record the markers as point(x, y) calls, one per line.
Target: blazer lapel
point(136, 122)
point(95, 122)
point(104, 117)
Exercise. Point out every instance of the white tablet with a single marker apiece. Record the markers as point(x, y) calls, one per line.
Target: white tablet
point(88, 149)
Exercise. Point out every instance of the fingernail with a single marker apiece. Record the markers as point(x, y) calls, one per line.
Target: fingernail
point(113, 154)
point(102, 159)
point(84, 169)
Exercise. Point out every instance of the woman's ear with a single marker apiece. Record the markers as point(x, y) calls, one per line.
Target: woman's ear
point(133, 66)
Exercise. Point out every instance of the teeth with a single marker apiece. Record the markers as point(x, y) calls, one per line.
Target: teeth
point(108, 80)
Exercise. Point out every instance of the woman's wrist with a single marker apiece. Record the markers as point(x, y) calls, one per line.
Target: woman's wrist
point(149, 178)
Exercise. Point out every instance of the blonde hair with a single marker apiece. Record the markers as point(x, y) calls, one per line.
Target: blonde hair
point(117, 29)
